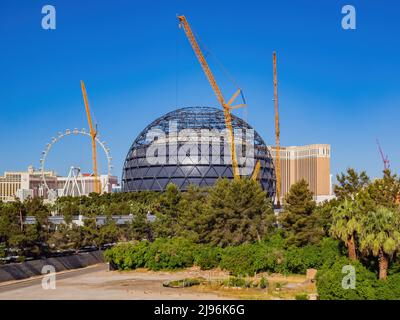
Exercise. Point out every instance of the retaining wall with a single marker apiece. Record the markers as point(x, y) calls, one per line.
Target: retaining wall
point(17, 271)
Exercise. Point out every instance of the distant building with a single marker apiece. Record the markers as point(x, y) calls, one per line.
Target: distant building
point(24, 184)
point(311, 163)
point(83, 184)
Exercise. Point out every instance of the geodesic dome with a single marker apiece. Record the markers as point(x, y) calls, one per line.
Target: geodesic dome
point(142, 172)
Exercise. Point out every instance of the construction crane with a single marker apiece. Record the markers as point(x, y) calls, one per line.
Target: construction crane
point(93, 135)
point(277, 134)
point(385, 159)
point(227, 106)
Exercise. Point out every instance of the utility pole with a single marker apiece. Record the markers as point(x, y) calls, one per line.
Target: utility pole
point(21, 221)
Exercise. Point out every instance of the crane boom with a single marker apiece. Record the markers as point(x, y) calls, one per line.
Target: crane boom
point(277, 133)
point(93, 135)
point(226, 106)
point(385, 159)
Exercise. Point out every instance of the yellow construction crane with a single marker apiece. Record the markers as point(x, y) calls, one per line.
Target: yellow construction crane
point(227, 106)
point(277, 134)
point(93, 135)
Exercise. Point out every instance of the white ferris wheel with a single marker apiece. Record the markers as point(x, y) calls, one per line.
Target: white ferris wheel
point(73, 186)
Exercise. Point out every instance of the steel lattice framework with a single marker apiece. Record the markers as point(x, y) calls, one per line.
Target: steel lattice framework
point(61, 135)
point(138, 174)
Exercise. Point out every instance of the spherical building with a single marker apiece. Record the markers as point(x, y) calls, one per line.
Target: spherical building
point(190, 146)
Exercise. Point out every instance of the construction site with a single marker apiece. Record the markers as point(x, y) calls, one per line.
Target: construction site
point(277, 167)
point(140, 166)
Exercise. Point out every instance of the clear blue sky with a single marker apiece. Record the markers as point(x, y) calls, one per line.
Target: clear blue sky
point(337, 87)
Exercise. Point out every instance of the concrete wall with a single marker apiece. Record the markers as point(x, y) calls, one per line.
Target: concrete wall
point(17, 271)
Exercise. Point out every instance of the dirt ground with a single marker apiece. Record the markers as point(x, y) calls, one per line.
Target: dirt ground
point(102, 284)
point(98, 284)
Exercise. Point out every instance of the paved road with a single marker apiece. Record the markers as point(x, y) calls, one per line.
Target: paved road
point(37, 281)
point(97, 283)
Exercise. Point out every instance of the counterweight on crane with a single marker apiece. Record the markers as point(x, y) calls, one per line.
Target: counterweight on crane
point(227, 106)
point(93, 135)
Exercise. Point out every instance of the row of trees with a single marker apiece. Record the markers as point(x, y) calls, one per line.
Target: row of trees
point(367, 218)
point(230, 213)
point(364, 217)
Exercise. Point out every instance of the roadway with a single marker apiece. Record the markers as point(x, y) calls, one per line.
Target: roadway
point(37, 281)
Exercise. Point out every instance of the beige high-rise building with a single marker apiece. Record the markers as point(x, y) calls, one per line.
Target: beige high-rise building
point(311, 163)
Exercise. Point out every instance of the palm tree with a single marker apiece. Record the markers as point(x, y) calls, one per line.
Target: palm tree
point(380, 236)
point(345, 225)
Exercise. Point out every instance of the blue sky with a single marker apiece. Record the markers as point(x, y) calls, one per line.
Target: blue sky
point(336, 86)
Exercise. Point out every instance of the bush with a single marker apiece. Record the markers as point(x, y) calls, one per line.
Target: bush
point(298, 260)
point(329, 282)
point(330, 251)
point(236, 282)
point(389, 289)
point(239, 260)
point(263, 283)
point(127, 256)
point(245, 259)
point(207, 257)
point(301, 296)
point(188, 282)
point(269, 256)
point(170, 254)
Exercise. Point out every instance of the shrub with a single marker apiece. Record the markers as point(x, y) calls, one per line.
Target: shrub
point(298, 260)
point(239, 260)
point(236, 282)
point(188, 282)
point(126, 256)
point(301, 296)
point(329, 282)
point(263, 283)
point(207, 257)
point(388, 289)
point(170, 254)
point(268, 256)
point(330, 251)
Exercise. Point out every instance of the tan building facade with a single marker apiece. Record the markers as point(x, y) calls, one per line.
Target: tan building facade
point(311, 163)
point(23, 184)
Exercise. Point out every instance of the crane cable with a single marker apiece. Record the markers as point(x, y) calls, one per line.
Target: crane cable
point(207, 52)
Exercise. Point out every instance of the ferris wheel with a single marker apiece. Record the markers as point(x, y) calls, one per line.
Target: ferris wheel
point(52, 194)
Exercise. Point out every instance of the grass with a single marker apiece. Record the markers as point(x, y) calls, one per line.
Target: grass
point(183, 283)
point(276, 287)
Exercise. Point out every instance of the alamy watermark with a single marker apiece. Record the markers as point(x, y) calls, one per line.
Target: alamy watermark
point(349, 20)
point(203, 146)
point(349, 280)
point(49, 280)
point(49, 20)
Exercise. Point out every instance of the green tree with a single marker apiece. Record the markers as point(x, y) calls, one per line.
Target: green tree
point(345, 225)
point(238, 211)
point(192, 218)
point(108, 233)
point(167, 212)
point(140, 227)
point(385, 191)
point(323, 215)
point(350, 183)
point(297, 218)
point(380, 235)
